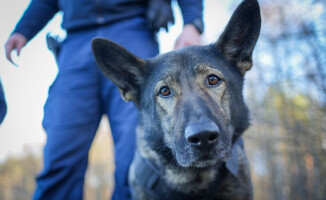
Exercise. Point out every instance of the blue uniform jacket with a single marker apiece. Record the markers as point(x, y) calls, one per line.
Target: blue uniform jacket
point(3, 105)
point(80, 14)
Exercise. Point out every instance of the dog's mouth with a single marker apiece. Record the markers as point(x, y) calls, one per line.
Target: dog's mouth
point(204, 163)
point(202, 159)
point(206, 160)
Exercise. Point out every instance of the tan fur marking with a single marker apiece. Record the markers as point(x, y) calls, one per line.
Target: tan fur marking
point(244, 66)
point(225, 103)
point(206, 69)
point(180, 179)
point(127, 96)
point(166, 107)
point(144, 150)
point(219, 93)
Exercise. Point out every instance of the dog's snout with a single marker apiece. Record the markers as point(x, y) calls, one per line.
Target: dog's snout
point(203, 139)
point(202, 134)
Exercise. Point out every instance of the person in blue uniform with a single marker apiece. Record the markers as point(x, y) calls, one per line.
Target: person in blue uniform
point(80, 94)
point(3, 104)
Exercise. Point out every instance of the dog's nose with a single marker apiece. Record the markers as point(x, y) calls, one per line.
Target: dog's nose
point(202, 134)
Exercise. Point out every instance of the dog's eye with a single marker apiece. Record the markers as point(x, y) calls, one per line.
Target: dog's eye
point(165, 91)
point(213, 80)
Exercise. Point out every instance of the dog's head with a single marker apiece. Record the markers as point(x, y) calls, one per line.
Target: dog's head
point(190, 100)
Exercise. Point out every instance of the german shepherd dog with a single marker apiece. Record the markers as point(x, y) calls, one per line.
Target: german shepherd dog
point(192, 113)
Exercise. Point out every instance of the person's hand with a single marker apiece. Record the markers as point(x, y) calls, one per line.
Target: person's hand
point(189, 36)
point(16, 41)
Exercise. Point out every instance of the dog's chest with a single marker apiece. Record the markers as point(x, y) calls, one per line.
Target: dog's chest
point(188, 181)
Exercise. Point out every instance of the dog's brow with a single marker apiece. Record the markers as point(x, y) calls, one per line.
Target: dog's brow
point(205, 69)
point(201, 68)
point(163, 82)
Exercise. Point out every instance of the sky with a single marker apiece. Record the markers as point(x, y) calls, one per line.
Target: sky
point(26, 86)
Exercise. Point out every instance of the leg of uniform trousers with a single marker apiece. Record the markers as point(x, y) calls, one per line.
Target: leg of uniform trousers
point(134, 36)
point(73, 107)
point(71, 117)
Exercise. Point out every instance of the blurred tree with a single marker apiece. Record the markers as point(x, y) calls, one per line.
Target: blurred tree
point(17, 173)
point(286, 94)
point(17, 176)
point(99, 177)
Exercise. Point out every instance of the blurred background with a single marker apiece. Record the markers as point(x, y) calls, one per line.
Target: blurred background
point(285, 91)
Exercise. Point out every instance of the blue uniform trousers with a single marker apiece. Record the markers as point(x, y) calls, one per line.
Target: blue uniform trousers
point(77, 99)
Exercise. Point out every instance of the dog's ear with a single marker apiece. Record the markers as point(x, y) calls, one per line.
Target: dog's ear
point(239, 37)
point(123, 68)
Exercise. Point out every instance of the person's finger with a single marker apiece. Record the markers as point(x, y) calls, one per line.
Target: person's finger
point(9, 46)
point(20, 44)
